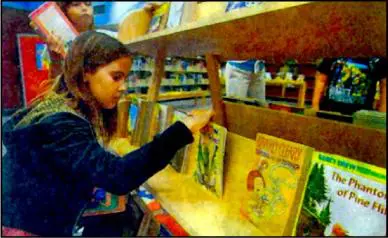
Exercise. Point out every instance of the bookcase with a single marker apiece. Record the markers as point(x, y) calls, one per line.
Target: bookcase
point(304, 31)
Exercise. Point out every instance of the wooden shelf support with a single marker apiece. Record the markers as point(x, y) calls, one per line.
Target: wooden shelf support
point(212, 65)
point(302, 95)
point(158, 74)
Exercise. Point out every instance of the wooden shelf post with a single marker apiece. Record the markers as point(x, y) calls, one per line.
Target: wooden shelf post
point(301, 94)
point(158, 74)
point(215, 89)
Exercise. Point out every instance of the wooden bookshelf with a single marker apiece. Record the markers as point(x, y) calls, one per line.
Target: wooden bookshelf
point(175, 95)
point(274, 31)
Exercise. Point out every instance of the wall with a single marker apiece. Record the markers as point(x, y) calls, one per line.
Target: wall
point(13, 21)
point(114, 13)
point(26, 6)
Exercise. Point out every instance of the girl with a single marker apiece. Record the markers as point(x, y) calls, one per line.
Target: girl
point(54, 153)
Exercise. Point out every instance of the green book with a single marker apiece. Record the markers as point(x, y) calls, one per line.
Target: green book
point(210, 158)
point(343, 197)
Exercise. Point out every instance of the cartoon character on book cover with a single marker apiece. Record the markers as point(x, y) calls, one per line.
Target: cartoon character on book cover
point(343, 197)
point(210, 159)
point(273, 186)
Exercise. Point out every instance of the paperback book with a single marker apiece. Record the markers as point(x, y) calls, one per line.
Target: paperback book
point(275, 186)
point(159, 18)
point(343, 197)
point(210, 159)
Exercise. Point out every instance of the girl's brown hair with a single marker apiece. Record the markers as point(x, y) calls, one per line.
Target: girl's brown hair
point(89, 51)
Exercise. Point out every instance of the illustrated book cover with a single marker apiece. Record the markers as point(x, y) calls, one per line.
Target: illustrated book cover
point(275, 186)
point(210, 158)
point(343, 197)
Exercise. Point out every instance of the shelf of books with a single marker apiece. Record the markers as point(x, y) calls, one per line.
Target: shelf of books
point(257, 171)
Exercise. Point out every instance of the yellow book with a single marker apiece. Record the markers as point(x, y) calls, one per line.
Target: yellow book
point(276, 184)
point(159, 18)
point(343, 197)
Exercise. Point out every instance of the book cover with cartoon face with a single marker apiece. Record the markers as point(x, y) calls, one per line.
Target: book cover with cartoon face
point(275, 186)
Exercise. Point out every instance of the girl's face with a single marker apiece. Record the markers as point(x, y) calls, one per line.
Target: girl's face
point(81, 15)
point(108, 82)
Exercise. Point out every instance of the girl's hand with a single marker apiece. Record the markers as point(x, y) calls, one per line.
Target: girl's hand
point(197, 119)
point(56, 46)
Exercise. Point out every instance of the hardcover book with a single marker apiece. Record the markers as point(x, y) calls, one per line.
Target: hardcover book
point(49, 18)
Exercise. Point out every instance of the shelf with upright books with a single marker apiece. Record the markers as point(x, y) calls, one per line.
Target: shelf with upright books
point(304, 31)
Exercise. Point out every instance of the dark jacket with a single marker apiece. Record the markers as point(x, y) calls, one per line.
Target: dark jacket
point(51, 168)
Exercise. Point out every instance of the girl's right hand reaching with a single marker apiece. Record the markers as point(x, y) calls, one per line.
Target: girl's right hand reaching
point(197, 119)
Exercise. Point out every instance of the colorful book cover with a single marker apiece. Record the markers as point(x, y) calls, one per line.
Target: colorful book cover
point(159, 18)
point(168, 225)
point(276, 184)
point(104, 202)
point(210, 159)
point(133, 113)
point(343, 197)
point(49, 18)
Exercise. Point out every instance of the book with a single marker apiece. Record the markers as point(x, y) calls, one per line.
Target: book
point(49, 17)
point(343, 197)
point(159, 18)
point(132, 117)
point(181, 13)
point(179, 160)
point(175, 14)
point(147, 122)
point(104, 202)
point(166, 114)
point(275, 186)
point(210, 158)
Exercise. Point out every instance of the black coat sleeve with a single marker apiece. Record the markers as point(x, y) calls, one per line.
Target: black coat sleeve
point(76, 152)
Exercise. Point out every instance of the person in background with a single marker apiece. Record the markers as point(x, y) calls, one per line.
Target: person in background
point(348, 85)
point(80, 14)
point(55, 147)
point(244, 78)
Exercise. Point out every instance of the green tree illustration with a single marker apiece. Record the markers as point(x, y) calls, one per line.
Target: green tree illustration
point(325, 215)
point(316, 188)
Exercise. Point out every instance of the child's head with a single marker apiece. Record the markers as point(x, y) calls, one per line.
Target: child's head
point(95, 70)
point(79, 13)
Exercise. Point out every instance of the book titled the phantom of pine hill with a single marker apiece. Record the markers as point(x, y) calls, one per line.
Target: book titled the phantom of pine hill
point(343, 197)
point(210, 158)
point(275, 185)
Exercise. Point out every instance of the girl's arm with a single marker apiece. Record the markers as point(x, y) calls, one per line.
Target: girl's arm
point(80, 156)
